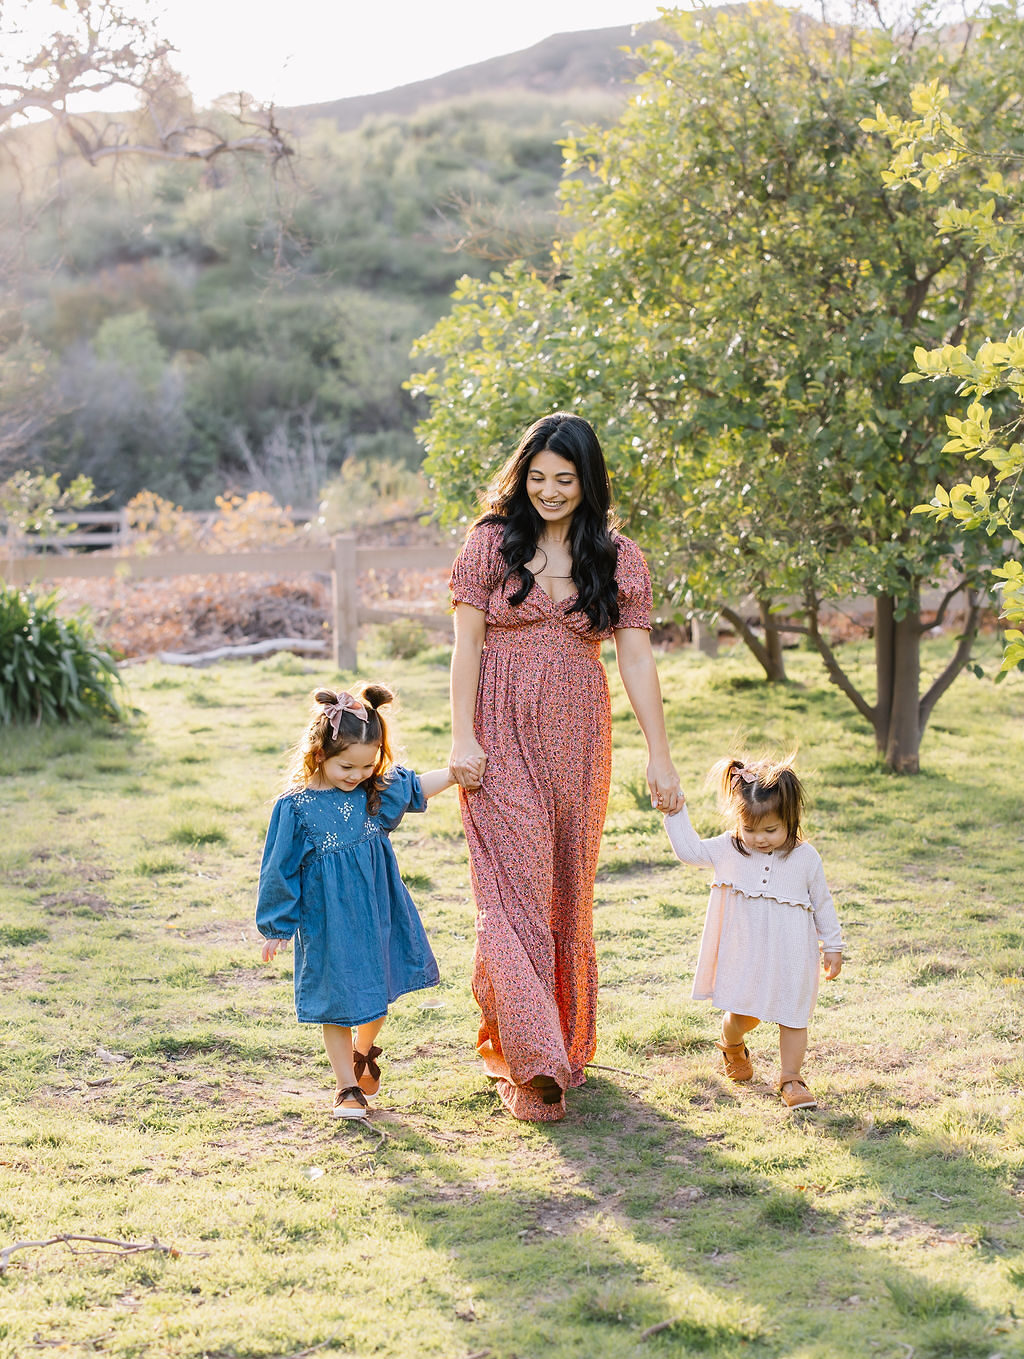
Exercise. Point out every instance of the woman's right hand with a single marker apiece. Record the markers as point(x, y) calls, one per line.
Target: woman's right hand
point(467, 763)
point(270, 947)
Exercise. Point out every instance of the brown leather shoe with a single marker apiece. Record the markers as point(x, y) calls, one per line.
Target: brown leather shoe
point(795, 1094)
point(736, 1060)
point(350, 1103)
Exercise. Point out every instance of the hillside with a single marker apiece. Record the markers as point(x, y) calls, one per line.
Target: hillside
point(592, 60)
point(194, 330)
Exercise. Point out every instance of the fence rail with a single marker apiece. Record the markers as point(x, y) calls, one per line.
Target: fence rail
point(342, 560)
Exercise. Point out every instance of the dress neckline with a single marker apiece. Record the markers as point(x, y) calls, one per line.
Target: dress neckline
point(559, 603)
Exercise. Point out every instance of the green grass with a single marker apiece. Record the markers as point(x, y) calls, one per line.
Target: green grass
point(671, 1214)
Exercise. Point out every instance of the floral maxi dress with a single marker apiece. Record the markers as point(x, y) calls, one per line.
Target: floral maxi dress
point(534, 827)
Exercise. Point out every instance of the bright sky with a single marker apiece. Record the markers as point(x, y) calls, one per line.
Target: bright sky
point(307, 51)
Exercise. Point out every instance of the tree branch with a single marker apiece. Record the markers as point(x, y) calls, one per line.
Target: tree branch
point(746, 635)
point(957, 662)
point(835, 671)
point(940, 612)
point(68, 1238)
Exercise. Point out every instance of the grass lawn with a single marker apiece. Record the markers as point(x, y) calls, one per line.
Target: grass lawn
point(155, 1087)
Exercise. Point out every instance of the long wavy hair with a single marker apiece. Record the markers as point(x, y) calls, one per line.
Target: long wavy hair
point(594, 550)
point(318, 742)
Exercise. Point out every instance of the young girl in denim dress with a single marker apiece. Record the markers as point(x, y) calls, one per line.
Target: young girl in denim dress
point(330, 879)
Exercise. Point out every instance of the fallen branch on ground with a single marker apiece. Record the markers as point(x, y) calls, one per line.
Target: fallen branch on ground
point(382, 1138)
point(223, 653)
point(657, 1330)
point(67, 1238)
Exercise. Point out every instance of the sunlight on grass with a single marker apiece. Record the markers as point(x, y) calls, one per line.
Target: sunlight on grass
point(154, 1082)
point(188, 833)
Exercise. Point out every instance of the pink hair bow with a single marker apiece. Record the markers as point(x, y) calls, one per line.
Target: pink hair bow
point(345, 704)
point(747, 775)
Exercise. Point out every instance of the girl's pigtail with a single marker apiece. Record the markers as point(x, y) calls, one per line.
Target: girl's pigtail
point(789, 793)
point(374, 695)
point(725, 777)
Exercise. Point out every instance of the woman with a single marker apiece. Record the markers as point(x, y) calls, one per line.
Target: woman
point(540, 582)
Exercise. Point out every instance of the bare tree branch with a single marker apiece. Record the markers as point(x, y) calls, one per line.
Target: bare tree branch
point(104, 50)
point(835, 671)
point(69, 1238)
point(957, 661)
point(747, 635)
point(944, 604)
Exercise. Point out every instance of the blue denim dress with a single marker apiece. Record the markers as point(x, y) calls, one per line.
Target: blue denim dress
point(330, 878)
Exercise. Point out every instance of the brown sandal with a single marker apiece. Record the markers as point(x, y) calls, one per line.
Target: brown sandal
point(797, 1096)
point(367, 1071)
point(354, 1093)
point(736, 1060)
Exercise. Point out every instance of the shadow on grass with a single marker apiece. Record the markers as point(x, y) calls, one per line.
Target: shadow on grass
point(627, 1232)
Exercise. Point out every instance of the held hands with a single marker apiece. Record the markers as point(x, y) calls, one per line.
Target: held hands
point(833, 965)
point(270, 947)
point(467, 763)
point(666, 793)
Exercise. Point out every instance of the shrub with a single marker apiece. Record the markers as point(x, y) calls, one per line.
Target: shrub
point(403, 639)
point(52, 668)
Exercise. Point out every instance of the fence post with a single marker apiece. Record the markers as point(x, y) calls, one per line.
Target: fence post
point(345, 596)
point(704, 638)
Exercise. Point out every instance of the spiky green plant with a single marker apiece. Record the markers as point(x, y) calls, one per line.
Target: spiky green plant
point(52, 668)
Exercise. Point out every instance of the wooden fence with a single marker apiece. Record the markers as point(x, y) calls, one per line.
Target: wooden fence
point(343, 560)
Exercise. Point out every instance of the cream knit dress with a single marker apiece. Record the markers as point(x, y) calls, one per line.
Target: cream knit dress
point(766, 913)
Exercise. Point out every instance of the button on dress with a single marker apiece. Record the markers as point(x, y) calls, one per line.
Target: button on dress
point(534, 828)
point(330, 878)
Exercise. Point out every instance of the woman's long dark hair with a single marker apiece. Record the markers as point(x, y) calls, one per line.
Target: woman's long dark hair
point(594, 551)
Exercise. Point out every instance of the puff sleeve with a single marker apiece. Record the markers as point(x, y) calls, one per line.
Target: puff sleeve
point(402, 794)
point(284, 853)
point(478, 568)
point(634, 582)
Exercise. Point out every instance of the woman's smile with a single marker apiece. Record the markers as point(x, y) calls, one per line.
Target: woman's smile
point(553, 485)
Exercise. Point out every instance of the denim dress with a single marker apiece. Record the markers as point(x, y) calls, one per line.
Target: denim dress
point(329, 877)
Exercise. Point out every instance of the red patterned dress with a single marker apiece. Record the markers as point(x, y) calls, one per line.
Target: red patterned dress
point(534, 827)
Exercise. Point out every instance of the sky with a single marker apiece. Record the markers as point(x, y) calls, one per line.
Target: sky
point(308, 51)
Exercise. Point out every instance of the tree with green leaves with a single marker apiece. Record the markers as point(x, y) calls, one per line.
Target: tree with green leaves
point(729, 303)
point(980, 185)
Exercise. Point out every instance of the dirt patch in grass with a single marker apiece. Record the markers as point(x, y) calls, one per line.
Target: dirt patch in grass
point(75, 903)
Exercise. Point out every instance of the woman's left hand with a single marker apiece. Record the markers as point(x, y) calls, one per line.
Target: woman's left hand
point(666, 793)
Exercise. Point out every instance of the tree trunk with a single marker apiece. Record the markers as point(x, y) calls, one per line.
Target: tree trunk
point(903, 739)
point(900, 714)
point(767, 652)
point(898, 678)
point(776, 667)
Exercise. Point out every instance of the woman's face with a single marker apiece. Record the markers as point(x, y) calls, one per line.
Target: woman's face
point(553, 486)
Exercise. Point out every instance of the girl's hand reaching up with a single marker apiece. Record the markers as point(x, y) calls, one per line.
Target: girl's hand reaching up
point(833, 965)
point(270, 947)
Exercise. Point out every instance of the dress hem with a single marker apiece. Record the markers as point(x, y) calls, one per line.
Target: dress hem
point(763, 1019)
point(368, 1019)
